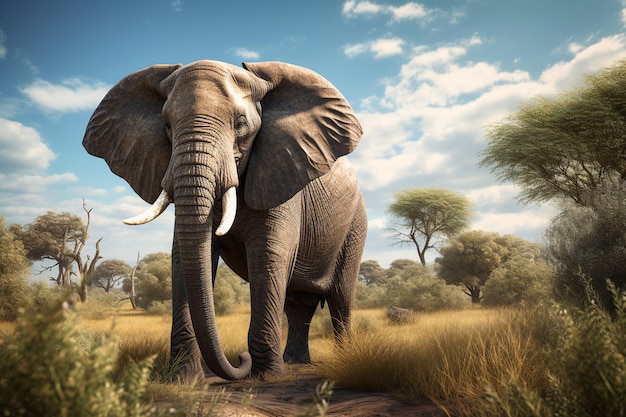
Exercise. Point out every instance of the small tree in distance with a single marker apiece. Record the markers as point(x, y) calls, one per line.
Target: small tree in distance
point(426, 214)
point(470, 258)
point(110, 273)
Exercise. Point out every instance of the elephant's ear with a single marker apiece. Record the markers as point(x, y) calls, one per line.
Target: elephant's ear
point(127, 130)
point(306, 125)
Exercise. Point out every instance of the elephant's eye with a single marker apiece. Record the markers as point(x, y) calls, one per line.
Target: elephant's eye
point(168, 129)
point(241, 126)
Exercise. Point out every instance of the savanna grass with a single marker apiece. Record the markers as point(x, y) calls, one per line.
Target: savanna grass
point(445, 356)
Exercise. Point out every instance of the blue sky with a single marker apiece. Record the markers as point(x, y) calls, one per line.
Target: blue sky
point(425, 78)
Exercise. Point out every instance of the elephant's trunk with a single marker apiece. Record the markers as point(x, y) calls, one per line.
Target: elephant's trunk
point(194, 195)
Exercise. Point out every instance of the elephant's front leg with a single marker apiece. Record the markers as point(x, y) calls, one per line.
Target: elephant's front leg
point(271, 258)
point(268, 284)
point(185, 358)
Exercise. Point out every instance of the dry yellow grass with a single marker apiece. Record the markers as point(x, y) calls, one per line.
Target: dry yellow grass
point(441, 356)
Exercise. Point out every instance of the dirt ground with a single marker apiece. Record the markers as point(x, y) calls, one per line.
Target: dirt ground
point(291, 397)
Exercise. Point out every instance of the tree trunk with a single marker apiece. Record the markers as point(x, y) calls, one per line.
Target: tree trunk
point(474, 292)
point(131, 295)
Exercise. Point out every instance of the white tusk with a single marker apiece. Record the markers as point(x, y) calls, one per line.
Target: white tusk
point(229, 210)
point(153, 211)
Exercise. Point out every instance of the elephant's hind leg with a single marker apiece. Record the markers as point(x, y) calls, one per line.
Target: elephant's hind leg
point(299, 308)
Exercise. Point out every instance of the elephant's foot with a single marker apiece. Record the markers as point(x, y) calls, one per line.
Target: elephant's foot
point(268, 373)
point(297, 355)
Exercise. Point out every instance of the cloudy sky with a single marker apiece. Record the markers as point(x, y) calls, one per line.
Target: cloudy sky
point(425, 78)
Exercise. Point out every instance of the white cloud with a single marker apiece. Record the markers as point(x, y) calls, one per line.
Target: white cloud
point(30, 184)
point(380, 48)
point(603, 53)
point(72, 95)
point(22, 149)
point(354, 8)
point(247, 54)
point(407, 11)
point(177, 5)
point(386, 47)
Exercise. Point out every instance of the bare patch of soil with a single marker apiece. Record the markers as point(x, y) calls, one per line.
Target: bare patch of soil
point(289, 397)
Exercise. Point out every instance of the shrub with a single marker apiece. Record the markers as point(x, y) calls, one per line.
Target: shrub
point(518, 282)
point(49, 369)
point(590, 241)
point(418, 289)
point(587, 373)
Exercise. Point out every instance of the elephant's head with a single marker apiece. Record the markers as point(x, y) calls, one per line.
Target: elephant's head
point(189, 134)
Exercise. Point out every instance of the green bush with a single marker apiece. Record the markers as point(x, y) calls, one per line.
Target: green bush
point(518, 282)
point(587, 372)
point(49, 369)
point(415, 287)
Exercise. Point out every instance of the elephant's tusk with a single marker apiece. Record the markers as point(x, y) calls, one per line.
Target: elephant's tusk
point(229, 210)
point(153, 212)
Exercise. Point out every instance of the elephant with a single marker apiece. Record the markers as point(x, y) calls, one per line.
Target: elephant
point(253, 159)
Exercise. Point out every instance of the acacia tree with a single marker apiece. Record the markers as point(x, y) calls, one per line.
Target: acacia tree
point(564, 146)
point(471, 257)
point(110, 273)
point(61, 237)
point(47, 238)
point(424, 215)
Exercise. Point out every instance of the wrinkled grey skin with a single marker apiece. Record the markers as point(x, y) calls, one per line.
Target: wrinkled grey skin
point(276, 132)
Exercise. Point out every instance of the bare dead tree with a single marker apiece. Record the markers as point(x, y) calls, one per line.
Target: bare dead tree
point(86, 268)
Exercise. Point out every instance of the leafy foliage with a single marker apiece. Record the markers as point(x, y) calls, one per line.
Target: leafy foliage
point(470, 259)
point(49, 369)
point(590, 241)
point(409, 285)
point(425, 214)
point(153, 279)
point(14, 267)
point(48, 237)
point(520, 281)
point(370, 272)
point(110, 273)
point(564, 146)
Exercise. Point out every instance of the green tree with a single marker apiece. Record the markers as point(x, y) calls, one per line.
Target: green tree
point(14, 269)
point(153, 279)
point(61, 237)
point(110, 273)
point(471, 257)
point(399, 266)
point(370, 272)
point(424, 215)
point(48, 238)
point(566, 145)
